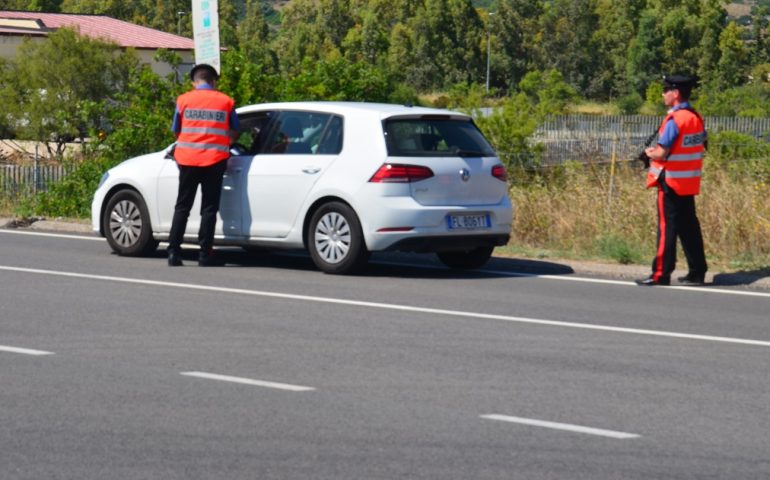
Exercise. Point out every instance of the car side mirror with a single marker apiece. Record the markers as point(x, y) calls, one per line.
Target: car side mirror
point(169, 152)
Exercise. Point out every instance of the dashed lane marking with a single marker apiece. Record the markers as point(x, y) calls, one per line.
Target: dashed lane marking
point(562, 426)
point(248, 381)
point(23, 351)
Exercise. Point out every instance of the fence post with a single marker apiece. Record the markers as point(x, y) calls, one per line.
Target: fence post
point(613, 160)
point(36, 174)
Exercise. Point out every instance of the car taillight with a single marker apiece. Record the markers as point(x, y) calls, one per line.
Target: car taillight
point(498, 171)
point(394, 173)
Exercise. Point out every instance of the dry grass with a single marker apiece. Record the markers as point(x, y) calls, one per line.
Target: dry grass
point(586, 211)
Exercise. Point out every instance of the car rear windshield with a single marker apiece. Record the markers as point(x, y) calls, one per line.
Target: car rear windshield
point(435, 136)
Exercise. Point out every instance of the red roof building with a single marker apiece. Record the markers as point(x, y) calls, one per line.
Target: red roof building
point(16, 25)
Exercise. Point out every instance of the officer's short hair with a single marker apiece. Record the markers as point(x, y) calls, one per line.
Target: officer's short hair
point(204, 72)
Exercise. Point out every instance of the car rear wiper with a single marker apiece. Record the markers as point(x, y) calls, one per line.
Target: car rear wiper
point(469, 153)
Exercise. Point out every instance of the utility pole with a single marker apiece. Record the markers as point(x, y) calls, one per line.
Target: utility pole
point(489, 48)
point(179, 15)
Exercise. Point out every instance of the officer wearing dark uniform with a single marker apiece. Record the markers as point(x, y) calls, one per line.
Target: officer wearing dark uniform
point(675, 169)
point(205, 125)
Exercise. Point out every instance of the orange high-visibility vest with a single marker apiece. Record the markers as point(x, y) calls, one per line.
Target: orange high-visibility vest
point(684, 163)
point(204, 137)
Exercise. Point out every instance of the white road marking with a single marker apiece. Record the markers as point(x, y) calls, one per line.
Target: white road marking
point(23, 351)
point(571, 278)
point(568, 278)
point(388, 306)
point(53, 235)
point(248, 381)
point(562, 426)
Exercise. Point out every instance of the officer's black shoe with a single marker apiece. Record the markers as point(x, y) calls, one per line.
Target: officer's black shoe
point(692, 279)
point(651, 282)
point(209, 260)
point(174, 259)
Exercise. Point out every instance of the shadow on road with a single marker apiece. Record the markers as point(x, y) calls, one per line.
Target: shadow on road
point(745, 277)
point(390, 264)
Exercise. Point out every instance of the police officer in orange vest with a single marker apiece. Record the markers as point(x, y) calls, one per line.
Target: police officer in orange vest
point(675, 169)
point(205, 125)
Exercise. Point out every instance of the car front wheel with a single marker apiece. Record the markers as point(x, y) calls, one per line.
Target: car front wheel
point(467, 259)
point(335, 241)
point(127, 225)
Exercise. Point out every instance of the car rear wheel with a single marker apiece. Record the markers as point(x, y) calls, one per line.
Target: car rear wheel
point(335, 241)
point(127, 225)
point(466, 259)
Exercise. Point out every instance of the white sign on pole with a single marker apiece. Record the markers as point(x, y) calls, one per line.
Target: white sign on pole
point(206, 32)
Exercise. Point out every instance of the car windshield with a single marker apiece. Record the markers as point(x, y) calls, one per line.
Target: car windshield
point(435, 136)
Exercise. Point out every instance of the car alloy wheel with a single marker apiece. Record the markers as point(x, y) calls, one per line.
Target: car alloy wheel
point(335, 240)
point(127, 225)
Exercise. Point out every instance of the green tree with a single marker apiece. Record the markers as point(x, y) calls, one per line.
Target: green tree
point(229, 15)
point(713, 17)
point(446, 37)
point(254, 36)
point(51, 6)
point(509, 129)
point(733, 61)
point(334, 20)
point(112, 8)
point(368, 41)
point(759, 52)
point(515, 33)
point(569, 46)
point(335, 78)
point(245, 81)
point(548, 92)
point(58, 105)
point(299, 37)
point(644, 53)
point(617, 24)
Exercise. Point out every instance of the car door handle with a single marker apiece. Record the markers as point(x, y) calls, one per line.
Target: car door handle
point(311, 170)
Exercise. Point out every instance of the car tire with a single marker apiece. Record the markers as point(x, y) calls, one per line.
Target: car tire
point(466, 259)
point(127, 226)
point(335, 240)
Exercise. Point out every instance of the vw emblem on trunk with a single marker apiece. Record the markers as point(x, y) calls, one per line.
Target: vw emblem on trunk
point(465, 174)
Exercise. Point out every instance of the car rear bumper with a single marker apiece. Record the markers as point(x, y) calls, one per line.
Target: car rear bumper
point(399, 223)
point(449, 243)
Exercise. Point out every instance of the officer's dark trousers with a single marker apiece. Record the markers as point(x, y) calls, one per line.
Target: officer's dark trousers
point(677, 219)
point(210, 180)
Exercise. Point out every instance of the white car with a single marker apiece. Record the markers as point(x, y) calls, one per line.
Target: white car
point(336, 178)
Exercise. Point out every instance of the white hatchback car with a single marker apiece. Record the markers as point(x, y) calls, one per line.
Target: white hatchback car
point(338, 179)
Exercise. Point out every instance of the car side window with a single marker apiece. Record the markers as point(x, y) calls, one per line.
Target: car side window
point(253, 131)
point(330, 142)
point(297, 133)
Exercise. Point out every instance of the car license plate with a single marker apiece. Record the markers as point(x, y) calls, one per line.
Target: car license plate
point(468, 222)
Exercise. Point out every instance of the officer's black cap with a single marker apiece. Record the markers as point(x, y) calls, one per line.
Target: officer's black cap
point(683, 82)
point(204, 66)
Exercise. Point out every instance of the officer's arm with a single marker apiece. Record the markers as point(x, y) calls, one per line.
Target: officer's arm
point(658, 152)
point(176, 123)
point(666, 140)
point(235, 126)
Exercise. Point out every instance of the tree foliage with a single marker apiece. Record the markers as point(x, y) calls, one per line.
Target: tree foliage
point(604, 49)
point(58, 105)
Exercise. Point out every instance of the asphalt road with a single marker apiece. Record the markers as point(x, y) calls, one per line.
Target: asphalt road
point(121, 368)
